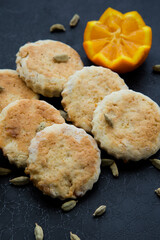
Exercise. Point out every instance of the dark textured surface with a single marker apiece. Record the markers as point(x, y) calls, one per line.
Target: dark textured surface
point(133, 209)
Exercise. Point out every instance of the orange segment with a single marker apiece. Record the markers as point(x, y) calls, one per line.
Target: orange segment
point(130, 47)
point(111, 18)
point(136, 16)
point(95, 46)
point(118, 41)
point(96, 30)
point(114, 51)
point(110, 51)
point(142, 36)
point(132, 22)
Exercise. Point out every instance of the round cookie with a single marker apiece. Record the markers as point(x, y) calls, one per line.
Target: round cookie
point(36, 66)
point(85, 89)
point(127, 125)
point(64, 161)
point(13, 88)
point(19, 123)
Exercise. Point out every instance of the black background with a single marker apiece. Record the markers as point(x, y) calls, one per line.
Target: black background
point(133, 209)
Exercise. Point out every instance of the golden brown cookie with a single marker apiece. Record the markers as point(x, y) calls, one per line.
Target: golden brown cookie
point(13, 88)
point(37, 67)
point(64, 161)
point(19, 123)
point(85, 89)
point(127, 125)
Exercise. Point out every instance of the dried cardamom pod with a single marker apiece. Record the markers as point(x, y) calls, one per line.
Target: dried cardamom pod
point(108, 120)
point(107, 162)
point(64, 115)
point(73, 22)
point(4, 171)
point(155, 163)
point(57, 27)
point(67, 206)
point(1, 89)
point(41, 126)
point(114, 169)
point(99, 211)
point(156, 68)
point(20, 181)
point(74, 236)
point(61, 58)
point(158, 191)
point(38, 232)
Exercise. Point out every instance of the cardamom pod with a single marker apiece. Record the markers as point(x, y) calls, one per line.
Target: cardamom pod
point(156, 68)
point(67, 206)
point(38, 232)
point(4, 171)
point(74, 236)
point(158, 191)
point(1, 89)
point(155, 163)
point(108, 120)
point(99, 211)
point(57, 27)
point(74, 20)
point(114, 169)
point(20, 181)
point(106, 162)
point(64, 115)
point(61, 58)
point(41, 126)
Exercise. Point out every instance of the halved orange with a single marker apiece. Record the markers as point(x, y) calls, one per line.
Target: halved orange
point(118, 41)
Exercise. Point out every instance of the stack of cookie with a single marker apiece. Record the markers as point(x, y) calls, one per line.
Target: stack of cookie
point(63, 160)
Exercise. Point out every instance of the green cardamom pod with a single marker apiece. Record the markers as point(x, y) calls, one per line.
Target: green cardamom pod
point(114, 169)
point(5, 171)
point(64, 115)
point(99, 211)
point(155, 163)
point(107, 162)
point(57, 27)
point(158, 191)
point(74, 236)
point(67, 206)
point(20, 181)
point(108, 120)
point(74, 20)
point(61, 58)
point(156, 68)
point(38, 232)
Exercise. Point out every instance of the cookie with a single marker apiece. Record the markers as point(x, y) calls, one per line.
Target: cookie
point(37, 67)
point(64, 161)
point(13, 88)
point(85, 89)
point(19, 123)
point(127, 125)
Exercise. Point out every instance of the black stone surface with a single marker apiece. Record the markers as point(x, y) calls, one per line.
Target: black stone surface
point(133, 209)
